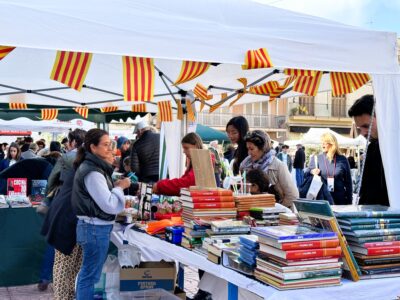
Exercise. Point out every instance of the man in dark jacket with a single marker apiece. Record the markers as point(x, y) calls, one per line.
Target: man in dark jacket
point(145, 154)
point(298, 164)
point(285, 157)
point(373, 185)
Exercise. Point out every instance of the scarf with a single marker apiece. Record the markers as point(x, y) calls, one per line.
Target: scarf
point(261, 164)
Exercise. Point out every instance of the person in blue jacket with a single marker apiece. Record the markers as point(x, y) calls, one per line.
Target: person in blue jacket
point(13, 156)
point(334, 169)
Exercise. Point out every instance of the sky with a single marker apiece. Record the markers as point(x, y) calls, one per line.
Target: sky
point(371, 14)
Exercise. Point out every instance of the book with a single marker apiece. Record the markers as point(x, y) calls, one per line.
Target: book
point(302, 275)
point(292, 233)
point(371, 239)
point(206, 199)
point(38, 190)
point(313, 244)
point(214, 258)
point(17, 186)
point(299, 254)
point(297, 262)
point(206, 192)
point(370, 226)
point(373, 232)
point(209, 205)
point(381, 244)
point(270, 264)
point(366, 221)
point(376, 250)
point(3, 202)
point(365, 211)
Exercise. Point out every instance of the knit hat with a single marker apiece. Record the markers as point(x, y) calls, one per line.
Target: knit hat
point(140, 125)
point(121, 140)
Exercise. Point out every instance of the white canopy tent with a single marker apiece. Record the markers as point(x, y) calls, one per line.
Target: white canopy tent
point(211, 31)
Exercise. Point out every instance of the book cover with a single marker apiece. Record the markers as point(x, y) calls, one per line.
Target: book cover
point(299, 254)
point(365, 211)
point(374, 232)
point(204, 205)
point(370, 221)
point(381, 244)
point(38, 190)
point(302, 275)
point(376, 250)
point(206, 192)
point(296, 232)
point(313, 244)
point(370, 226)
point(371, 239)
point(17, 186)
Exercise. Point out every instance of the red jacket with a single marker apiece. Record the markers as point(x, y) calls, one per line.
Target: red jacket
point(172, 187)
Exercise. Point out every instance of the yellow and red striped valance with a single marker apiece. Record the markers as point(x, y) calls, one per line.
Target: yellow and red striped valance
point(141, 108)
point(279, 90)
point(308, 85)
point(257, 59)
point(138, 74)
point(83, 111)
point(340, 83)
point(190, 70)
point(108, 109)
point(265, 88)
point(179, 110)
point(298, 72)
point(190, 111)
point(18, 105)
point(357, 80)
point(164, 111)
point(5, 50)
point(71, 68)
point(49, 113)
point(200, 91)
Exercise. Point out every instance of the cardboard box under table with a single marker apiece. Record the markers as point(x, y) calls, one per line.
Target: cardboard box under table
point(149, 275)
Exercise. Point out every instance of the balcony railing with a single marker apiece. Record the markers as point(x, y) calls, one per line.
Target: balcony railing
point(255, 121)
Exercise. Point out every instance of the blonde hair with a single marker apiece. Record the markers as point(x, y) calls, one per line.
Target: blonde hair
point(329, 138)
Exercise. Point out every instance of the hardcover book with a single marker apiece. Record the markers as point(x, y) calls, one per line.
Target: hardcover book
point(17, 186)
point(365, 211)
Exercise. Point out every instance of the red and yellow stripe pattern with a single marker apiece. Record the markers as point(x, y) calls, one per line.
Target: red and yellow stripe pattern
point(190, 111)
point(257, 59)
point(83, 111)
point(265, 88)
point(179, 110)
point(140, 108)
point(108, 109)
point(164, 111)
point(340, 83)
point(279, 90)
point(49, 113)
point(18, 105)
point(5, 50)
point(200, 91)
point(190, 70)
point(357, 80)
point(298, 72)
point(138, 74)
point(71, 68)
point(308, 85)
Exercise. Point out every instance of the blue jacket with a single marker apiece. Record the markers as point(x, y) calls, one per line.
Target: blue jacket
point(343, 188)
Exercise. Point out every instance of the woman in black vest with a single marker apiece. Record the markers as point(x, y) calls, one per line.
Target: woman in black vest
point(96, 201)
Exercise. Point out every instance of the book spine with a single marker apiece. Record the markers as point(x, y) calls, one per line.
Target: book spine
point(311, 253)
point(307, 236)
point(211, 193)
point(310, 245)
point(367, 214)
point(311, 274)
point(381, 244)
point(377, 232)
point(383, 250)
point(212, 199)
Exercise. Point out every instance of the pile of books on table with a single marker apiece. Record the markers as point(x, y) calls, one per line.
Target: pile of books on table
point(248, 250)
point(267, 216)
point(288, 219)
point(17, 201)
point(292, 257)
point(195, 231)
point(245, 202)
point(373, 233)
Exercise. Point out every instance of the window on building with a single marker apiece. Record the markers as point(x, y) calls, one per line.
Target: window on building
point(264, 106)
point(306, 105)
point(257, 108)
point(339, 106)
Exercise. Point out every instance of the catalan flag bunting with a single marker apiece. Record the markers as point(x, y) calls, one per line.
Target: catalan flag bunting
point(241, 93)
point(49, 113)
point(5, 50)
point(265, 88)
point(109, 108)
point(279, 90)
point(83, 111)
point(179, 110)
point(141, 108)
point(18, 105)
point(200, 91)
point(357, 80)
point(164, 111)
point(190, 111)
point(308, 85)
point(298, 72)
point(215, 106)
point(340, 83)
point(71, 68)
point(138, 74)
point(257, 59)
point(202, 104)
point(190, 70)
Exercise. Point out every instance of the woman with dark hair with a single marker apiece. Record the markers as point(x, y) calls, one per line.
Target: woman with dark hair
point(13, 156)
point(172, 187)
point(236, 129)
point(262, 157)
point(96, 200)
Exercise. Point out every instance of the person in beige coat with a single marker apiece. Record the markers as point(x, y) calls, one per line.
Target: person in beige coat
point(262, 157)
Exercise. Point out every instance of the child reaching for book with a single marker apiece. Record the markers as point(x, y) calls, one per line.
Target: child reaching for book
point(260, 184)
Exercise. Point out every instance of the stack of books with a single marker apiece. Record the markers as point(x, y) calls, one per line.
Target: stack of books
point(195, 231)
point(267, 216)
point(216, 247)
point(288, 219)
point(207, 204)
point(373, 234)
point(292, 257)
point(248, 250)
point(18, 201)
point(245, 202)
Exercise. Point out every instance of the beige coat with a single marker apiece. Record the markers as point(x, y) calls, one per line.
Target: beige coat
point(278, 175)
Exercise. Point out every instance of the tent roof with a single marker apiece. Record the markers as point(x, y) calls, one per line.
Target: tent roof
point(209, 134)
point(172, 31)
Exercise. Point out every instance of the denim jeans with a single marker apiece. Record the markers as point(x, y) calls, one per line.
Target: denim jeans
point(299, 177)
point(94, 240)
point(46, 270)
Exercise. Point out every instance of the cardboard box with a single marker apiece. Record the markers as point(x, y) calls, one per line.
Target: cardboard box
point(149, 275)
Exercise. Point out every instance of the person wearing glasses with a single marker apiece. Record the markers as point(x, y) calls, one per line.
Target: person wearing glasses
point(373, 185)
point(262, 157)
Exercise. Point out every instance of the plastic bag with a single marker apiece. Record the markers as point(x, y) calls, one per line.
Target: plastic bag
point(108, 285)
point(128, 256)
point(314, 188)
